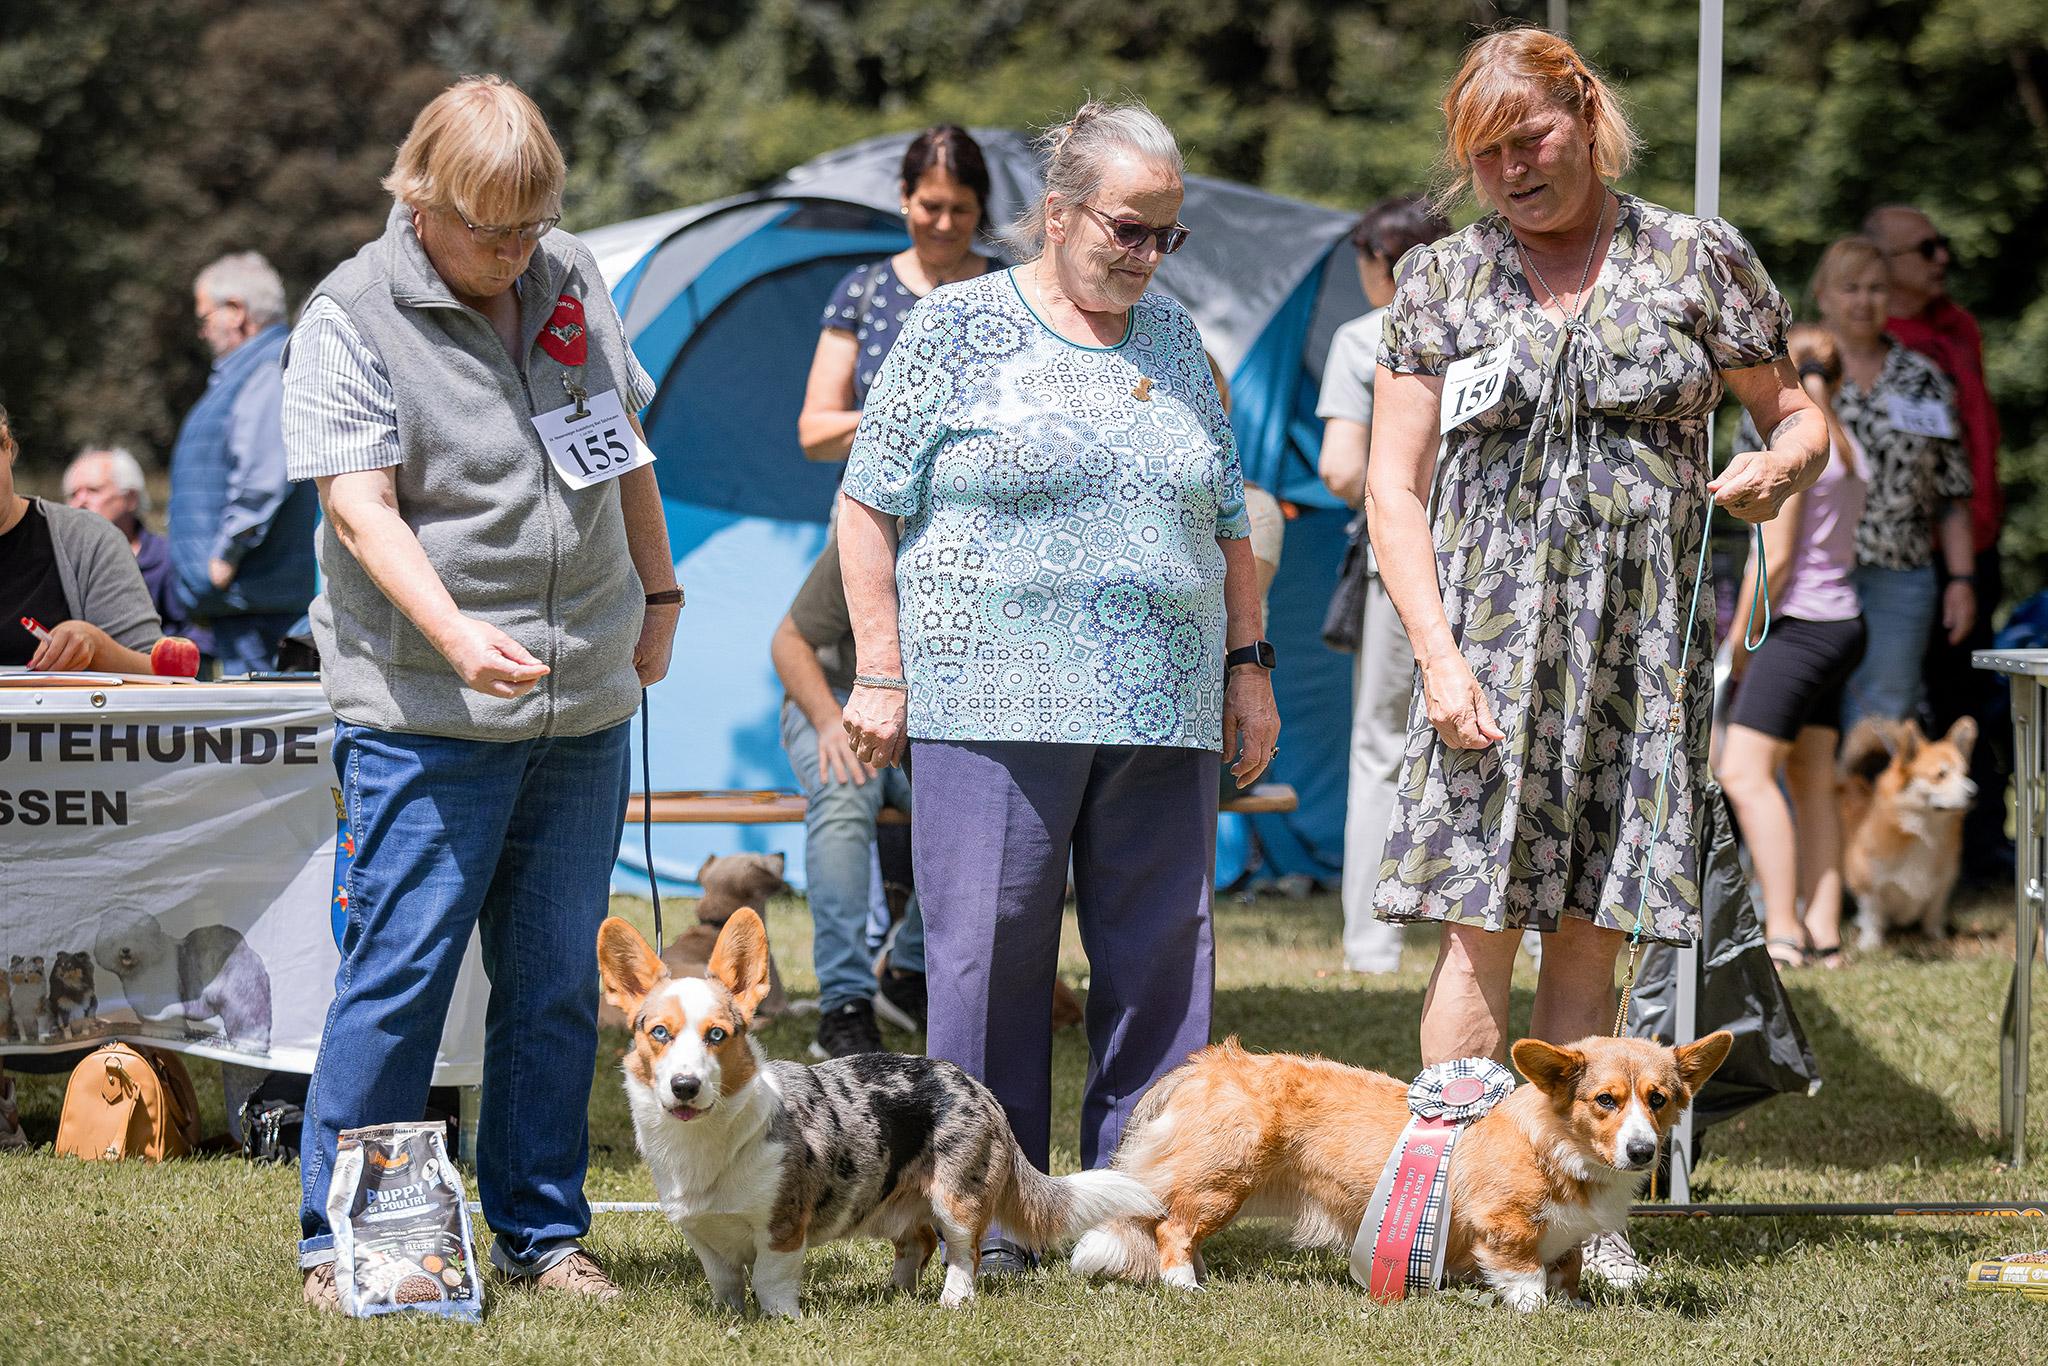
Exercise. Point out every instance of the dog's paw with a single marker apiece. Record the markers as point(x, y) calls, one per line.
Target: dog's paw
point(959, 1288)
point(1182, 1277)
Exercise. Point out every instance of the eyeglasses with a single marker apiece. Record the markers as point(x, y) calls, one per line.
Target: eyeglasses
point(1131, 234)
point(497, 237)
point(1926, 246)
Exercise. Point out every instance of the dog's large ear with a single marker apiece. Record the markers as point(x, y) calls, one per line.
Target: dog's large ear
point(627, 965)
point(1909, 742)
point(740, 959)
point(1697, 1061)
point(1549, 1068)
point(777, 862)
point(1963, 735)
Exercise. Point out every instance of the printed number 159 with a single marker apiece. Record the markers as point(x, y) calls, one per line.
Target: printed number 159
point(598, 449)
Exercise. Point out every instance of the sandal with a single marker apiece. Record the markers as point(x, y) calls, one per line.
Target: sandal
point(1829, 959)
point(1788, 953)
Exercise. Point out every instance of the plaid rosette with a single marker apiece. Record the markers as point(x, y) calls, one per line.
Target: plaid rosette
point(1460, 1090)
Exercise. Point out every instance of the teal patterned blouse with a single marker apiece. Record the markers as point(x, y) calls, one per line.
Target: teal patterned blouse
point(1059, 578)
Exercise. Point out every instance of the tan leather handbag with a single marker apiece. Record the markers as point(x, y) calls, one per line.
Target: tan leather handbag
point(126, 1101)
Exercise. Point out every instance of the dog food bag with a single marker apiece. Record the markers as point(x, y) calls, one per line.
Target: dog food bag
point(402, 1238)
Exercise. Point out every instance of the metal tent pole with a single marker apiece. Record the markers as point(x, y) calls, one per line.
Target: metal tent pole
point(1706, 200)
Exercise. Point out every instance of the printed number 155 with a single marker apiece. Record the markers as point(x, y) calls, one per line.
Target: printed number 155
point(597, 448)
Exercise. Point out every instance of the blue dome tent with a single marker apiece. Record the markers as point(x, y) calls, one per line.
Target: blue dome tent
point(721, 302)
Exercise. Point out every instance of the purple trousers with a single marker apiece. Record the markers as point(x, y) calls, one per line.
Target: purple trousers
point(992, 833)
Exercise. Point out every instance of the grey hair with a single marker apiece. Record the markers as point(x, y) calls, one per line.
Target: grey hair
point(247, 279)
point(123, 466)
point(1077, 155)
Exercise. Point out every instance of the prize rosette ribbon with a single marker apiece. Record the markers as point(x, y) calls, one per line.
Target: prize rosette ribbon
point(1400, 1243)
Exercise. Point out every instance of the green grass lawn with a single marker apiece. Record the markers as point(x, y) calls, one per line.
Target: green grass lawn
point(191, 1261)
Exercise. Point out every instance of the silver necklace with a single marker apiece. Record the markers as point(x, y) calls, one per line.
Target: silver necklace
point(1585, 276)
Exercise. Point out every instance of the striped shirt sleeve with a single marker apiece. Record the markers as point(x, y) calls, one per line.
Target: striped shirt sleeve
point(340, 415)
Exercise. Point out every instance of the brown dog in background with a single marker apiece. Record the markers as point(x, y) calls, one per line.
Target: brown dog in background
point(1903, 800)
point(730, 881)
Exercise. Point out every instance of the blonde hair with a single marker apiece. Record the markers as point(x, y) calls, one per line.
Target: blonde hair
point(1508, 74)
point(482, 148)
point(1844, 254)
point(1078, 154)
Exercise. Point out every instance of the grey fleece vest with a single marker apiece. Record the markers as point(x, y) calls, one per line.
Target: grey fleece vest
point(515, 546)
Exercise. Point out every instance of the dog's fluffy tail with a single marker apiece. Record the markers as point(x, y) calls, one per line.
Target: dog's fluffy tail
point(1127, 1249)
point(1040, 1210)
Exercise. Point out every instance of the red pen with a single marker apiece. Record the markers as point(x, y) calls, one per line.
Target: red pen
point(34, 628)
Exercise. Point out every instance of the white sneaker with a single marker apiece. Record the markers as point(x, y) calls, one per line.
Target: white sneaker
point(1610, 1257)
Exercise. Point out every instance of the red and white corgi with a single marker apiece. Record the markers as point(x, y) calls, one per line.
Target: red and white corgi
point(758, 1159)
point(1232, 1133)
point(1904, 798)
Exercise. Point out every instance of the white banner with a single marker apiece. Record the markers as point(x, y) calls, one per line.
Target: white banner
point(168, 875)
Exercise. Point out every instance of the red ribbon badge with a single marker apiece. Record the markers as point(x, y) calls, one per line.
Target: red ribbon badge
point(1403, 1222)
point(565, 337)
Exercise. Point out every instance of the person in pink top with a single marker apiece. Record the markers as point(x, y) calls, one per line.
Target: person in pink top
point(1789, 692)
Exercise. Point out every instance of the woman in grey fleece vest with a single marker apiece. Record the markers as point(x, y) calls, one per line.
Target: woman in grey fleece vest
point(493, 605)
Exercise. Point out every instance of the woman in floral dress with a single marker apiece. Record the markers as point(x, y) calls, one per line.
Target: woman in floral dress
point(1572, 344)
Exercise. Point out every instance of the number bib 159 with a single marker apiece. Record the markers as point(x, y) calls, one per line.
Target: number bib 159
point(1475, 384)
point(594, 444)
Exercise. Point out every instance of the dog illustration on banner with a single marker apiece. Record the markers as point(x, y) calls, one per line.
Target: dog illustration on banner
point(73, 998)
point(28, 999)
point(209, 974)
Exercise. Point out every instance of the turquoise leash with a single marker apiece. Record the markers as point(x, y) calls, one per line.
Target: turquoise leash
point(1759, 606)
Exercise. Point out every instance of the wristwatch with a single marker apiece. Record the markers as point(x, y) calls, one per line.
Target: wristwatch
point(1259, 652)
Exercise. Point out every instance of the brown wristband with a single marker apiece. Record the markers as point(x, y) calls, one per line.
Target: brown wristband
point(665, 597)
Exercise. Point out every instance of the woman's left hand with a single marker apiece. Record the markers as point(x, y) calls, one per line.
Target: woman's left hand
point(72, 645)
point(1251, 719)
point(1958, 609)
point(657, 640)
point(1754, 486)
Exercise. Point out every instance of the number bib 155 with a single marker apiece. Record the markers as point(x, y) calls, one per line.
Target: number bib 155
point(592, 441)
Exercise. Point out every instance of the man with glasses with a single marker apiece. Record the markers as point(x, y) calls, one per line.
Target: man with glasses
point(1925, 319)
point(241, 533)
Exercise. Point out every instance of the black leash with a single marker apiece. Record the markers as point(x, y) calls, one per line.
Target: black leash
point(647, 818)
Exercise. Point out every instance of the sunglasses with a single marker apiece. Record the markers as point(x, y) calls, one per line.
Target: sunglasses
point(525, 232)
point(1131, 235)
point(1926, 246)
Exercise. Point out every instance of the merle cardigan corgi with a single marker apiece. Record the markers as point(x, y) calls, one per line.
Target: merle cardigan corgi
point(757, 1159)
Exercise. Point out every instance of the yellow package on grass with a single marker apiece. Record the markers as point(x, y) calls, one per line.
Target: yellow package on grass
point(2024, 1273)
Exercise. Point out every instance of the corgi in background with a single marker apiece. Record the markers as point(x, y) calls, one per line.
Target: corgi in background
point(730, 881)
point(756, 1160)
point(1233, 1134)
point(1903, 801)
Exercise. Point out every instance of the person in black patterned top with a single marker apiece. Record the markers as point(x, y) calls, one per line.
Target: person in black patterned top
point(944, 182)
point(1901, 408)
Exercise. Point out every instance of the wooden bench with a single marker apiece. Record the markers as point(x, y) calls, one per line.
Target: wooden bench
point(768, 806)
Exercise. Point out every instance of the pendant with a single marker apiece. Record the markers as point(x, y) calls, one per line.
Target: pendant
point(1143, 391)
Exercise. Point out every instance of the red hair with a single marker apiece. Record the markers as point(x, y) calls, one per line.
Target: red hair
point(1508, 75)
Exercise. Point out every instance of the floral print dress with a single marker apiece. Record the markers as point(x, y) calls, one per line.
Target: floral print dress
point(1567, 523)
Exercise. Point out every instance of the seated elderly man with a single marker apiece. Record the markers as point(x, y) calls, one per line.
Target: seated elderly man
point(813, 655)
point(108, 480)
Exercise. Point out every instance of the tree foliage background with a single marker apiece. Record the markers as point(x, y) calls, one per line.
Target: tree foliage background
point(141, 138)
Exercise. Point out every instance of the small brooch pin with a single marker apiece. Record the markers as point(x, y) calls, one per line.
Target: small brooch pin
point(1143, 392)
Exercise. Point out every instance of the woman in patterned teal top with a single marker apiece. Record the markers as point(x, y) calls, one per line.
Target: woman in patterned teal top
point(1073, 567)
point(1545, 589)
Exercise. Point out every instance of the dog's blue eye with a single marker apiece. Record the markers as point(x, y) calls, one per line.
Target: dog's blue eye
point(714, 1035)
point(659, 1034)
point(1656, 1100)
point(1606, 1102)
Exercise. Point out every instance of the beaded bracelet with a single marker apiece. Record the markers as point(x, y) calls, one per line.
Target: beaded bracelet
point(881, 681)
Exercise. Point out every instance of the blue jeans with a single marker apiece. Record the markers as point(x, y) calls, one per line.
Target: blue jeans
point(516, 839)
point(1900, 608)
point(248, 643)
point(839, 846)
